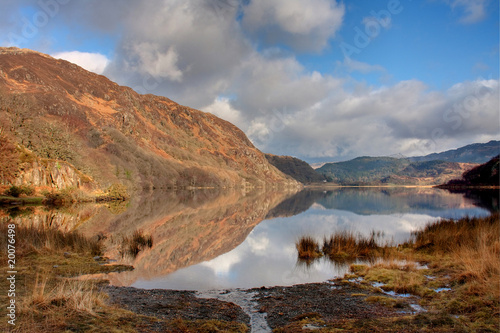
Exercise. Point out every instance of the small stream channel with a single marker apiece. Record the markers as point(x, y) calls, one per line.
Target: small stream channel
point(243, 299)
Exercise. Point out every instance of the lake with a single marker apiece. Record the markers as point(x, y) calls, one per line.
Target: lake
point(214, 239)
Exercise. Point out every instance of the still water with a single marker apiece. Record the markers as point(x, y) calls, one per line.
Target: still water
point(216, 240)
point(267, 257)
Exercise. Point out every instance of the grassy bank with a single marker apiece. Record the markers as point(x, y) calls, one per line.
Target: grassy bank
point(451, 267)
point(48, 298)
point(29, 195)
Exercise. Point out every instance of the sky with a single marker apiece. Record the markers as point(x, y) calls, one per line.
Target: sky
point(321, 80)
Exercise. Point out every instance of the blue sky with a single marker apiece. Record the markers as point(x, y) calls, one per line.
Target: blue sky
point(322, 80)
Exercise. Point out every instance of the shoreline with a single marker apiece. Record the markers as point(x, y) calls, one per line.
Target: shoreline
point(309, 305)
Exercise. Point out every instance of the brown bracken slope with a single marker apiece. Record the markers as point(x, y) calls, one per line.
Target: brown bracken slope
point(52, 110)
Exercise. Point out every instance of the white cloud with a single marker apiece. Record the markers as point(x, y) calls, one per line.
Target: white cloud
point(199, 52)
point(157, 63)
point(221, 265)
point(405, 118)
point(301, 24)
point(190, 55)
point(473, 10)
point(94, 62)
point(222, 108)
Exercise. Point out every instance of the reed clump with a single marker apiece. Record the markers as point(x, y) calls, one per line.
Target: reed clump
point(132, 245)
point(342, 247)
point(308, 249)
point(347, 245)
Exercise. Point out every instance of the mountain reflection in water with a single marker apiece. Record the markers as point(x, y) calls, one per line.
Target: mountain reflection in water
point(231, 239)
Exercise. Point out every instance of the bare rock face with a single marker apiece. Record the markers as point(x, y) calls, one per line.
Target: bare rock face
point(61, 112)
point(55, 174)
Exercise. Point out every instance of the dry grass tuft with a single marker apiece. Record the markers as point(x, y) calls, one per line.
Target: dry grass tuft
point(136, 243)
point(308, 249)
point(37, 238)
point(347, 245)
point(73, 295)
point(474, 245)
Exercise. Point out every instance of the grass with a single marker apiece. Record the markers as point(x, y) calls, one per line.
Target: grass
point(308, 249)
point(28, 195)
point(39, 238)
point(47, 298)
point(6, 200)
point(340, 247)
point(462, 256)
point(347, 245)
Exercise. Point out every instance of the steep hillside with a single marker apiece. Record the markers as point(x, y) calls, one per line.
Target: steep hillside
point(474, 153)
point(295, 168)
point(52, 110)
point(487, 174)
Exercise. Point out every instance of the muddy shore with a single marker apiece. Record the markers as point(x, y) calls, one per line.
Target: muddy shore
point(310, 306)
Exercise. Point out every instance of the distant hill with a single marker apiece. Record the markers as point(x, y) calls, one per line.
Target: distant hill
point(295, 168)
point(432, 169)
point(474, 153)
point(427, 173)
point(390, 170)
point(487, 174)
point(362, 169)
point(59, 121)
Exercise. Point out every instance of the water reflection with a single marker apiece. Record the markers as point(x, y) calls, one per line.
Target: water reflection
point(229, 239)
point(268, 256)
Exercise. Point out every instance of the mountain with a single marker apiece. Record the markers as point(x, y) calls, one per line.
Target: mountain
point(390, 170)
point(295, 168)
point(362, 169)
point(487, 174)
point(474, 153)
point(59, 121)
point(432, 169)
point(427, 173)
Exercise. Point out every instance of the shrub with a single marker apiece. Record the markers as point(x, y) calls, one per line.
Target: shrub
point(17, 191)
point(14, 191)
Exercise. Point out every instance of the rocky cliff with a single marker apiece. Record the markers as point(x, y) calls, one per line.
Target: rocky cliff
point(93, 128)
